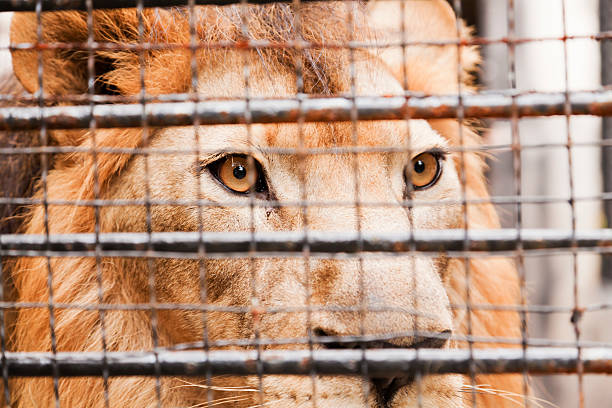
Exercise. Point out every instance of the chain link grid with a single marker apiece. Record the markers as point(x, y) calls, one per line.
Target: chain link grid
point(149, 112)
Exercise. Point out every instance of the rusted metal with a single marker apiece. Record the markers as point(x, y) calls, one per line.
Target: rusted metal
point(30, 5)
point(119, 111)
point(317, 242)
point(385, 363)
point(605, 14)
point(260, 43)
point(494, 105)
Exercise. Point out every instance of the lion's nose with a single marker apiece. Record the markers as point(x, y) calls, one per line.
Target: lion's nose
point(332, 340)
point(386, 388)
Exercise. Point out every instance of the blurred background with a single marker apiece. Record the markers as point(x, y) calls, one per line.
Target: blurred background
point(5, 56)
point(546, 183)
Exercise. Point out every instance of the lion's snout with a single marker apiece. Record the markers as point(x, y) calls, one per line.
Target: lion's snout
point(395, 303)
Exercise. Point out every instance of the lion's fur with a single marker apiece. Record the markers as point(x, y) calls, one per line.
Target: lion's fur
point(18, 170)
point(74, 176)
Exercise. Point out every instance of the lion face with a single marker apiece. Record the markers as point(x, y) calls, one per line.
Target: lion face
point(404, 296)
point(379, 176)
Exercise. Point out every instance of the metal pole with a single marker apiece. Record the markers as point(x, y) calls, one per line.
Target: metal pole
point(605, 13)
point(162, 244)
point(312, 110)
point(383, 363)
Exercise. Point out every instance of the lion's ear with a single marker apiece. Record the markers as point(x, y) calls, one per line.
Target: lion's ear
point(446, 17)
point(429, 68)
point(445, 20)
point(63, 71)
point(65, 67)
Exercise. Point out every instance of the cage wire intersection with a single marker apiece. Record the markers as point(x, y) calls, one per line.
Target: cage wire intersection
point(44, 112)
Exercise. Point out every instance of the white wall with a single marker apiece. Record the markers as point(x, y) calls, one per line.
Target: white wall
point(5, 56)
point(540, 66)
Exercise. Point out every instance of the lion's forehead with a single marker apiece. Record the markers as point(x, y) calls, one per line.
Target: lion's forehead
point(256, 76)
point(412, 136)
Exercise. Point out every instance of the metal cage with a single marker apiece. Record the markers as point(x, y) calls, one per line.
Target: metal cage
point(42, 113)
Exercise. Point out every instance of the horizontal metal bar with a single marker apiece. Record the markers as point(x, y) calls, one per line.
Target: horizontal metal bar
point(380, 363)
point(271, 203)
point(310, 109)
point(30, 5)
point(317, 242)
point(254, 44)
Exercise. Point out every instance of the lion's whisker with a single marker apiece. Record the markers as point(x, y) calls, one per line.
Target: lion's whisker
point(213, 387)
point(507, 395)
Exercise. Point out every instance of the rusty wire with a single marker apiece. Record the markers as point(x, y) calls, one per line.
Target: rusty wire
point(94, 112)
point(237, 243)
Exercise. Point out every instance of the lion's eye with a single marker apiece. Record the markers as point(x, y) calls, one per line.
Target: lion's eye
point(424, 171)
point(239, 173)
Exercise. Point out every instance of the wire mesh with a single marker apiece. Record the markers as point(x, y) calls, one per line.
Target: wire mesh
point(252, 203)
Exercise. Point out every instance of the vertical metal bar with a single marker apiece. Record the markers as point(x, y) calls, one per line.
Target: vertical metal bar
point(516, 164)
point(457, 6)
point(151, 266)
point(244, 10)
point(577, 314)
point(605, 18)
point(44, 162)
point(4, 275)
point(418, 378)
point(96, 191)
point(301, 159)
point(195, 97)
point(5, 373)
point(351, 27)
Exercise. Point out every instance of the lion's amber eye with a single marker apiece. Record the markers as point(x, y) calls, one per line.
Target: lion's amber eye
point(424, 171)
point(239, 173)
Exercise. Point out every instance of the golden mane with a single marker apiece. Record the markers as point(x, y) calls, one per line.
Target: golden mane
point(321, 25)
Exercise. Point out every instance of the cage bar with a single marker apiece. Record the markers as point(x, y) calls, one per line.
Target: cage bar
point(605, 13)
point(309, 110)
point(383, 363)
point(317, 242)
point(91, 112)
point(51, 5)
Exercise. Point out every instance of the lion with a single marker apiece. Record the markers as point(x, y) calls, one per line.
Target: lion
point(254, 178)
